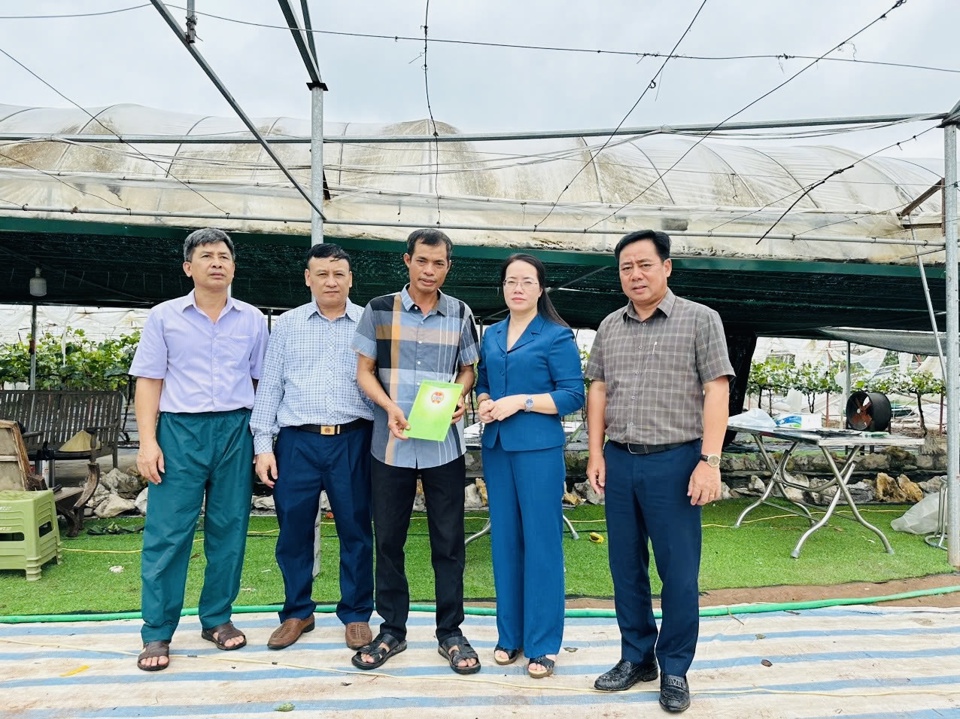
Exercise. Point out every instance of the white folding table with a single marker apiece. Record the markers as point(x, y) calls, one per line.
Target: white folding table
point(831, 443)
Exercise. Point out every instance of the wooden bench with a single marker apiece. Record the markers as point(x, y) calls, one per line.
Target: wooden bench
point(16, 474)
point(52, 417)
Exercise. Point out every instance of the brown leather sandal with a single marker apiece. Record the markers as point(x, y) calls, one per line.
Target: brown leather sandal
point(223, 633)
point(151, 650)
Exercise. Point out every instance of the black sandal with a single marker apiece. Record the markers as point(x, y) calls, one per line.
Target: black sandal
point(378, 653)
point(463, 652)
point(546, 662)
point(512, 655)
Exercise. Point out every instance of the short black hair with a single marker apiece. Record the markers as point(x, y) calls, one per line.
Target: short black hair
point(429, 237)
point(206, 236)
point(323, 250)
point(661, 241)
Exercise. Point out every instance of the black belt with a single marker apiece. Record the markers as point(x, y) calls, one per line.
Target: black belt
point(645, 448)
point(334, 429)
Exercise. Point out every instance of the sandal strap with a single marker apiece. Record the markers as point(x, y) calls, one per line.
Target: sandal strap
point(225, 632)
point(377, 652)
point(463, 651)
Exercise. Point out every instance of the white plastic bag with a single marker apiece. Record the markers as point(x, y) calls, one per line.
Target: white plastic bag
point(754, 418)
point(921, 518)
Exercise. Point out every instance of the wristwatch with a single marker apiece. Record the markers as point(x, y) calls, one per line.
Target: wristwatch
point(528, 404)
point(711, 459)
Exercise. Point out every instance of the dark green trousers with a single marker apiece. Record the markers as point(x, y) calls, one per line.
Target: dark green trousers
point(206, 456)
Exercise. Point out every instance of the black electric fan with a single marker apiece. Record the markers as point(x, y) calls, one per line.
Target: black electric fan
point(868, 412)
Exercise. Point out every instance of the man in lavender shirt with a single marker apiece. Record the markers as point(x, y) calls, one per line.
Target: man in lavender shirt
point(196, 366)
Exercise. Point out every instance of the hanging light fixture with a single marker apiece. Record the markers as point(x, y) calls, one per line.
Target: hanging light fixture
point(38, 284)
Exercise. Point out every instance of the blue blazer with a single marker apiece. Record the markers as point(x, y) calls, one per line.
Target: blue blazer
point(544, 359)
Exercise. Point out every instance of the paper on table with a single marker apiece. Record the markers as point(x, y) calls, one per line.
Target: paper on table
point(433, 409)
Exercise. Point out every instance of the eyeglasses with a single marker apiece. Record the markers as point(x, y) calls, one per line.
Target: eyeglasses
point(525, 285)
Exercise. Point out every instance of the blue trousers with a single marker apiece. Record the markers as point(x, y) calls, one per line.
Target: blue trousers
point(646, 498)
point(307, 464)
point(525, 492)
point(206, 455)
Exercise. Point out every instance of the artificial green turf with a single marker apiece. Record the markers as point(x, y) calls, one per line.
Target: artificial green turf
point(755, 555)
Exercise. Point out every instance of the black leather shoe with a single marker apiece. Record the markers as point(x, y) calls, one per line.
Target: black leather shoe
point(625, 675)
point(674, 693)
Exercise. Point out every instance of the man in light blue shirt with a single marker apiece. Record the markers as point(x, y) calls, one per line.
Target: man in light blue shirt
point(309, 401)
point(196, 366)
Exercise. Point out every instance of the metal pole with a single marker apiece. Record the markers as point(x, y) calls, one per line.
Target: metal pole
point(847, 380)
point(33, 346)
point(316, 163)
point(953, 344)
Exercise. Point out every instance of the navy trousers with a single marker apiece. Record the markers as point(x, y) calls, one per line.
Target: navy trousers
point(646, 499)
point(307, 464)
point(394, 489)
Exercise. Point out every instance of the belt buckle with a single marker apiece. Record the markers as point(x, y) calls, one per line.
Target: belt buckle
point(328, 429)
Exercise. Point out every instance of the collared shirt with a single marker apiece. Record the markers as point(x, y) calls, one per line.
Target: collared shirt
point(309, 374)
point(410, 347)
point(205, 366)
point(654, 370)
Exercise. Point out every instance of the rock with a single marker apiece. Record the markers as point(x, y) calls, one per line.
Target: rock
point(141, 501)
point(471, 497)
point(933, 446)
point(114, 505)
point(111, 478)
point(794, 494)
point(590, 496)
point(932, 485)
point(100, 495)
point(572, 499)
point(819, 497)
point(899, 455)
point(725, 492)
point(756, 485)
point(482, 490)
point(910, 489)
point(874, 462)
point(576, 463)
point(265, 504)
point(419, 503)
point(862, 492)
point(473, 461)
point(899, 490)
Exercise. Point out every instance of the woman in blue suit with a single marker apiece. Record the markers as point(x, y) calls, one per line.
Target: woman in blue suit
point(528, 378)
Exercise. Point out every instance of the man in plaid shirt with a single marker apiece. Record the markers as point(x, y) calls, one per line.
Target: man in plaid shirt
point(660, 389)
point(403, 339)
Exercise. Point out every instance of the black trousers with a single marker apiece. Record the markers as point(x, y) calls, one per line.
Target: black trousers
point(394, 490)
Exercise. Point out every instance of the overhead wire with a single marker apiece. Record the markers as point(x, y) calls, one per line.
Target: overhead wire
point(650, 85)
point(640, 55)
point(102, 124)
point(433, 122)
point(54, 176)
point(63, 16)
point(835, 173)
point(805, 190)
point(743, 109)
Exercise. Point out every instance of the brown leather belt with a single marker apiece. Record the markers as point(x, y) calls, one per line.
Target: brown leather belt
point(334, 429)
point(645, 448)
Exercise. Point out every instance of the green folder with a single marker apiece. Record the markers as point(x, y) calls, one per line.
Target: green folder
point(433, 409)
